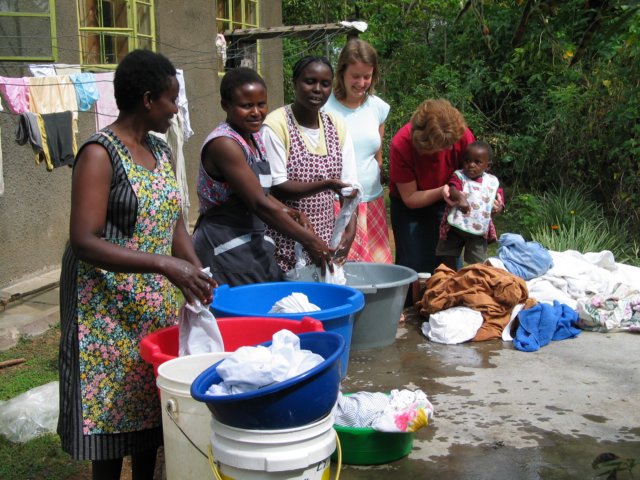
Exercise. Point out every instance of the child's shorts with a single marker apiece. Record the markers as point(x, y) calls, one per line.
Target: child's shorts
point(475, 246)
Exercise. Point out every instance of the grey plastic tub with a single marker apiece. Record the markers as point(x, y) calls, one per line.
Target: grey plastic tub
point(385, 288)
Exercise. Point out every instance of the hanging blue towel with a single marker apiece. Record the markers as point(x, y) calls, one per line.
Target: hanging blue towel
point(525, 259)
point(544, 322)
point(86, 90)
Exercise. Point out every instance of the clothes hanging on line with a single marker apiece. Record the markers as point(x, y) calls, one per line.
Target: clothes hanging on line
point(176, 139)
point(183, 105)
point(51, 91)
point(61, 139)
point(53, 95)
point(106, 108)
point(29, 130)
point(53, 69)
point(51, 137)
point(16, 93)
point(43, 70)
point(86, 90)
point(83, 83)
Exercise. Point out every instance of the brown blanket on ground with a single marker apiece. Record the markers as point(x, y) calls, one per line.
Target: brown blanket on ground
point(491, 291)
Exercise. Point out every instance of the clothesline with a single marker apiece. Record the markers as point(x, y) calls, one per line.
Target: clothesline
point(48, 117)
point(54, 84)
point(3, 112)
point(91, 91)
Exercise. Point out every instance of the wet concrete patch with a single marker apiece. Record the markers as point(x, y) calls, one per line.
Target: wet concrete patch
point(558, 458)
point(506, 414)
point(595, 418)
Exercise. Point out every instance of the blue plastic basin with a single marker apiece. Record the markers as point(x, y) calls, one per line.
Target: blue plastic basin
point(295, 402)
point(338, 305)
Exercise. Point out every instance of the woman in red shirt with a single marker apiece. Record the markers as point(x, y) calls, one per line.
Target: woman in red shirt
point(424, 154)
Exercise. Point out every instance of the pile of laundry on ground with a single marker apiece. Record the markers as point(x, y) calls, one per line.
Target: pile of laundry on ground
point(531, 296)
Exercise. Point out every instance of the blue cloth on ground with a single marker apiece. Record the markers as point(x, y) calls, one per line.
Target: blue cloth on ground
point(544, 322)
point(86, 90)
point(525, 259)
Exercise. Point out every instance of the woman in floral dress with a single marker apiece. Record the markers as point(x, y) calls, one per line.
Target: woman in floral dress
point(128, 245)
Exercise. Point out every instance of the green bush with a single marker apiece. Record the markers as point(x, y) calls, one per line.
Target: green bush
point(569, 219)
point(552, 86)
point(583, 236)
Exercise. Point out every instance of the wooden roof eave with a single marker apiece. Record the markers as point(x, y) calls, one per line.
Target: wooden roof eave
point(299, 31)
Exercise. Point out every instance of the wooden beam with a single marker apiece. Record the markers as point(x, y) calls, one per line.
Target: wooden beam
point(10, 363)
point(300, 31)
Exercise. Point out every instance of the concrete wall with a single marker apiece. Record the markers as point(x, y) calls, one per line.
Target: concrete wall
point(34, 210)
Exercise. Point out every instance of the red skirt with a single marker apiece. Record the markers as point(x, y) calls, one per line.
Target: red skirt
point(372, 235)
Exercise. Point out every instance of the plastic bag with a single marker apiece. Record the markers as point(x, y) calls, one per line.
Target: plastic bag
point(349, 206)
point(199, 332)
point(30, 414)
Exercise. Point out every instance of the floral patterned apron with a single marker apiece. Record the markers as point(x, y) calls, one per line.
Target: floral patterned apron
point(116, 310)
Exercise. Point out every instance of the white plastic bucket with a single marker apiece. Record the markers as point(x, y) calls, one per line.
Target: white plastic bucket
point(185, 421)
point(295, 453)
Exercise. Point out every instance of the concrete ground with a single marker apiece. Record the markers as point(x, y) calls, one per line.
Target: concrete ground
point(505, 414)
point(30, 315)
point(500, 414)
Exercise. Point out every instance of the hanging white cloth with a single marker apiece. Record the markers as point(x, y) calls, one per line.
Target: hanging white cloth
point(183, 105)
point(106, 108)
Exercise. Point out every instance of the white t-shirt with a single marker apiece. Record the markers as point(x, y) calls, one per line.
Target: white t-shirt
point(277, 153)
point(363, 124)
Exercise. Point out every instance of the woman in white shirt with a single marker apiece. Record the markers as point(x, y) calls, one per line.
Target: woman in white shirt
point(364, 114)
point(311, 157)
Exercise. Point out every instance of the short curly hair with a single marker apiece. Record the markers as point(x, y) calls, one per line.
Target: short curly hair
point(355, 50)
point(236, 78)
point(479, 144)
point(436, 125)
point(138, 72)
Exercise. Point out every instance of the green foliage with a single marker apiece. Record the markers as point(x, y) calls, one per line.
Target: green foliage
point(522, 214)
point(612, 464)
point(588, 236)
point(554, 88)
point(569, 219)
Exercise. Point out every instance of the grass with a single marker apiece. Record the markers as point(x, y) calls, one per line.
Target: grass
point(41, 458)
point(41, 366)
point(567, 219)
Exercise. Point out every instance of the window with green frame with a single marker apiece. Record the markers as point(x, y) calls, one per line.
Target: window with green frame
point(109, 29)
point(237, 14)
point(28, 30)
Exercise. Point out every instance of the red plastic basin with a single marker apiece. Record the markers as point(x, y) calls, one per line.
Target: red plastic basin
point(162, 345)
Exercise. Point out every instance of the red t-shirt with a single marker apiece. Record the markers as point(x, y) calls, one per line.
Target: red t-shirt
point(429, 171)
